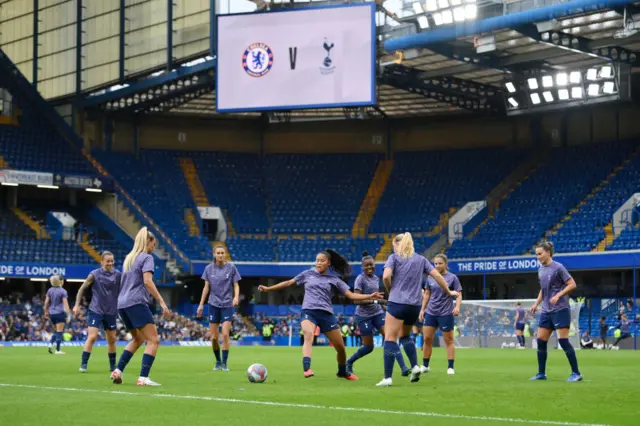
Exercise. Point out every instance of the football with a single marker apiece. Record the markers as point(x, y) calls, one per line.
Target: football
point(257, 373)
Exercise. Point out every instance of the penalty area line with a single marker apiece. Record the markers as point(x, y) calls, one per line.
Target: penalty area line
point(308, 406)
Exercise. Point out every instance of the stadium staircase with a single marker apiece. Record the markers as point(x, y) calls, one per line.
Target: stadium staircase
point(41, 233)
point(200, 198)
point(192, 223)
point(372, 199)
point(91, 251)
point(19, 86)
point(590, 220)
point(386, 249)
point(510, 184)
point(127, 221)
point(581, 204)
point(607, 241)
point(193, 182)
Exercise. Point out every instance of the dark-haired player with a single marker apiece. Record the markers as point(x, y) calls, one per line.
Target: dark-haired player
point(317, 309)
point(221, 284)
point(105, 285)
point(556, 283)
point(403, 273)
point(438, 311)
point(518, 324)
point(369, 314)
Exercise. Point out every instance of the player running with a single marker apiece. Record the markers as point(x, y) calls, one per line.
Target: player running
point(402, 277)
point(317, 309)
point(556, 283)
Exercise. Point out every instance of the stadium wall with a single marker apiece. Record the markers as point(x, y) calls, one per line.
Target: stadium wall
point(334, 137)
point(198, 135)
point(572, 127)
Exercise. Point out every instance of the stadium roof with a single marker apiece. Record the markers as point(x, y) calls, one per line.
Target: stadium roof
point(443, 78)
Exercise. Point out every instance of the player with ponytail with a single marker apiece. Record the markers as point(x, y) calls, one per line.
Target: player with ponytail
point(317, 309)
point(403, 274)
point(555, 285)
point(134, 299)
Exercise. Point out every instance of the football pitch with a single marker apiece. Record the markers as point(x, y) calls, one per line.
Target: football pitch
point(490, 387)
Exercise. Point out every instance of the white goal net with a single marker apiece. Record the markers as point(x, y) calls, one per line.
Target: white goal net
point(490, 324)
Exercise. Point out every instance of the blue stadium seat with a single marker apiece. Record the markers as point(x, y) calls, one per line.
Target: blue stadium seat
point(540, 202)
point(424, 185)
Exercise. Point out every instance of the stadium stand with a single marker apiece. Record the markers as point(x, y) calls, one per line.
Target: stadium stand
point(424, 185)
point(252, 249)
point(235, 183)
point(540, 202)
point(313, 194)
point(585, 228)
point(305, 248)
point(157, 184)
point(33, 145)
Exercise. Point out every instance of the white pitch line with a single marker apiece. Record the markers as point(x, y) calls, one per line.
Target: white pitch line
point(312, 406)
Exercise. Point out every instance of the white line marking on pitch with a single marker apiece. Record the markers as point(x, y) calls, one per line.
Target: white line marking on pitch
point(318, 407)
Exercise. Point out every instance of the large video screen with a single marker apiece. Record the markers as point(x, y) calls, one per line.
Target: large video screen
point(296, 59)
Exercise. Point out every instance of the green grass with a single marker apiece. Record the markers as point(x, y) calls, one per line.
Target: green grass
point(488, 383)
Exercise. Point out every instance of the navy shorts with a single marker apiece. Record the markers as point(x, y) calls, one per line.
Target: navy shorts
point(407, 313)
point(220, 315)
point(136, 316)
point(520, 326)
point(444, 322)
point(368, 324)
point(323, 319)
point(58, 318)
point(555, 320)
point(107, 322)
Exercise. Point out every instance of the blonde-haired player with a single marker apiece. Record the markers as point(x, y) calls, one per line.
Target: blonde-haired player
point(402, 278)
point(56, 307)
point(134, 299)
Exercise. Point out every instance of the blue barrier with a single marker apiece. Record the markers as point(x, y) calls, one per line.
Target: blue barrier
point(497, 265)
point(451, 32)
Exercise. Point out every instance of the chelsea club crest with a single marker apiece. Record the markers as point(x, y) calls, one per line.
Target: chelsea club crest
point(257, 60)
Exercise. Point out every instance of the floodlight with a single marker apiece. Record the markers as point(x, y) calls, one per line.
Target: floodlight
point(562, 79)
point(547, 81)
point(593, 89)
point(576, 92)
point(535, 98)
point(423, 22)
point(609, 87)
point(458, 14)
point(563, 94)
point(447, 17)
point(510, 87)
point(432, 5)
point(470, 12)
point(548, 96)
point(575, 77)
point(513, 102)
point(533, 83)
